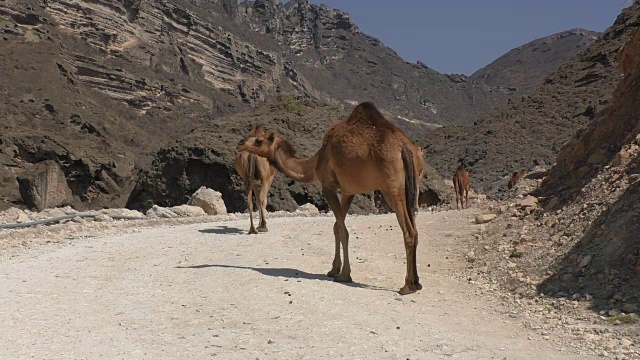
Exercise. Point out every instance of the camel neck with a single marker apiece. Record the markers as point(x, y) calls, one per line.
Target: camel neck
point(299, 169)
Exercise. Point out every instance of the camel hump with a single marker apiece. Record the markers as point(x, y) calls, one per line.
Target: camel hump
point(367, 113)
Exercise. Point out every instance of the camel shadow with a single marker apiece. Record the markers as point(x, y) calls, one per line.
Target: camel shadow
point(288, 273)
point(223, 230)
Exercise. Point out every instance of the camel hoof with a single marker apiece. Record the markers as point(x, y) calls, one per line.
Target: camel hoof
point(262, 229)
point(418, 286)
point(333, 273)
point(252, 231)
point(342, 279)
point(406, 290)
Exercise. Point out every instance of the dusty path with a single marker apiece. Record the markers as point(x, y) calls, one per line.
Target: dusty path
point(211, 291)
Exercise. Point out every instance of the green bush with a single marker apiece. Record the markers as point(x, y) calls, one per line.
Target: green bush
point(290, 104)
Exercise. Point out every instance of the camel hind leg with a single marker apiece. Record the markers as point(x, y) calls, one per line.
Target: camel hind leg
point(466, 194)
point(410, 235)
point(340, 207)
point(264, 192)
point(249, 193)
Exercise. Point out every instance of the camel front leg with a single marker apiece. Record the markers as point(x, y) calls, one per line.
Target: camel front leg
point(264, 192)
point(341, 235)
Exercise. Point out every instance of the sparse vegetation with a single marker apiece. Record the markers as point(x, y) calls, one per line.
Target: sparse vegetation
point(290, 104)
point(6, 179)
point(623, 319)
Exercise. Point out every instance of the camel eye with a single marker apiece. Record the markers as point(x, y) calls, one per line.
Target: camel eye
point(258, 141)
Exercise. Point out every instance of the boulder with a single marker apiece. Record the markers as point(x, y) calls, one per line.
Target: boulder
point(308, 208)
point(209, 200)
point(44, 186)
point(188, 210)
point(483, 219)
point(630, 308)
point(160, 212)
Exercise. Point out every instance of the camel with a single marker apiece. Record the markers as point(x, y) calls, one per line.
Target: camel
point(461, 185)
point(253, 170)
point(359, 155)
point(515, 178)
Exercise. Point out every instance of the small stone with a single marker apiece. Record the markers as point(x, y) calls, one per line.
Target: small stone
point(160, 212)
point(624, 342)
point(614, 312)
point(471, 256)
point(585, 261)
point(103, 218)
point(483, 219)
point(529, 201)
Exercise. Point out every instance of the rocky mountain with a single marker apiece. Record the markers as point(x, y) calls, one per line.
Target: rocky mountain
point(532, 129)
point(100, 86)
point(526, 66)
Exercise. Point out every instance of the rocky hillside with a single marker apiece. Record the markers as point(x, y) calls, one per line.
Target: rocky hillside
point(582, 243)
point(205, 157)
point(532, 129)
point(526, 66)
point(100, 86)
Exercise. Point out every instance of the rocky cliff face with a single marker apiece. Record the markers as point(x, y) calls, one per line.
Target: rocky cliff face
point(99, 86)
point(583, 241)
point(532, 129)
point(526, 66)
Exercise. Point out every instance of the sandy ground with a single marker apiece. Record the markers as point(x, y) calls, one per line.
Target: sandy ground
point(209, 290)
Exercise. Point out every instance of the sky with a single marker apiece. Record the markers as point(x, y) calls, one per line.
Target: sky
point(461, 36)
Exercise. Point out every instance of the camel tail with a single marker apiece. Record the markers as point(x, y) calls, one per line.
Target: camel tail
point(410, 183)
point(251, 172)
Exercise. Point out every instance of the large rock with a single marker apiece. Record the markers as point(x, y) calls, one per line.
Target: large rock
point(209, 200)
point(44, 186)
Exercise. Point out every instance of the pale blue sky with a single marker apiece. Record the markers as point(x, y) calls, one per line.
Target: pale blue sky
point(461, 36)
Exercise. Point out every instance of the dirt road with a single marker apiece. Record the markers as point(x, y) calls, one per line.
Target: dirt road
point(211, 291)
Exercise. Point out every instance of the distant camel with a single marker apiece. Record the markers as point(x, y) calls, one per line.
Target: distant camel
point(461, 185)
point(515, 178)
point(253, 169)
point(362, 154)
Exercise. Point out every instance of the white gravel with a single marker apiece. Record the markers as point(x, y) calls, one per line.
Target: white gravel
point(209, 290)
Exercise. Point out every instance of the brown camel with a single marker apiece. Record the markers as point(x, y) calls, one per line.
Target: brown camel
point(515, 178)
point(359, 155)
point(461, 185)
point(254, 169)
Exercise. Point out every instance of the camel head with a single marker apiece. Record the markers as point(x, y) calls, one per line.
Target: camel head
point(260, 143)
